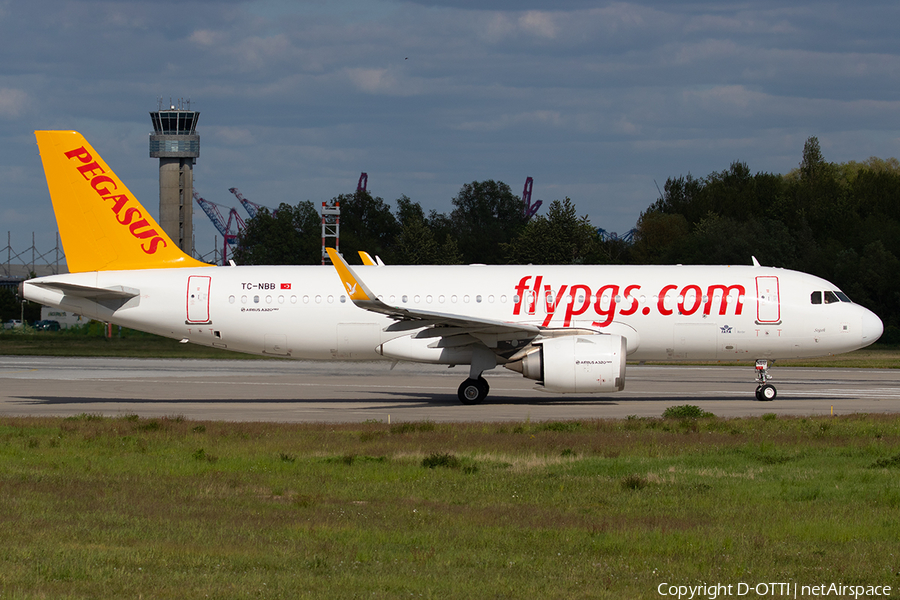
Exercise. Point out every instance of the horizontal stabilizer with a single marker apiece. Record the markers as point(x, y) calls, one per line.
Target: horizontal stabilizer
point(117, 292)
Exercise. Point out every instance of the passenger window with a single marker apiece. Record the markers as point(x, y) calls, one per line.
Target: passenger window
point(830, 297)
point(816, 298)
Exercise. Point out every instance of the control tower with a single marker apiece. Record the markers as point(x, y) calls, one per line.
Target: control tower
point(176, 143)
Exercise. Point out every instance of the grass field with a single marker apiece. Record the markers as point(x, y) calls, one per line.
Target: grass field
point(95, 507)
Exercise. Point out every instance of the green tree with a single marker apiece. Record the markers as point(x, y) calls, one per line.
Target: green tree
point(813, 165)
point(869, 278)
point(820, 196)
point(681, 196)
point(367, 224)
point(722, 240)
point(840, 222)
point(292, 236)
point(659, 237)
point(485, 216)
point(560, 237)
point(417, 243)
point(9, 304)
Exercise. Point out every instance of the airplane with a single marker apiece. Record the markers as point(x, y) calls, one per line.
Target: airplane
point(569, 328)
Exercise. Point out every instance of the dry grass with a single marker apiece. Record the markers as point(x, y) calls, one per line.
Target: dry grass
point(95, 507)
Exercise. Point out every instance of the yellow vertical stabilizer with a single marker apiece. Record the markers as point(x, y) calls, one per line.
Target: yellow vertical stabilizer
point(102, 225)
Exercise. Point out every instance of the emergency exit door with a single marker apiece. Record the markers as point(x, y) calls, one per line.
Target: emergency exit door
point(198, 298)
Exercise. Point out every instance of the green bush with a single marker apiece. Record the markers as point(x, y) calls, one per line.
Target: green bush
point(686, 411)
point(633, 482)
point(563, 426)
point(886, 463)
point(435, 460)
point(403, 428)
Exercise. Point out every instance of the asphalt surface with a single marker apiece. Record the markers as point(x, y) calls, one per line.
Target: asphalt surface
point(294, 391)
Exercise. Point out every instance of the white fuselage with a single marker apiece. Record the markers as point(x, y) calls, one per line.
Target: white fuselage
point(302, 312)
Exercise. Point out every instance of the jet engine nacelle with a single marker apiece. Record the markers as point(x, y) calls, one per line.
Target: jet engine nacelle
point(577, 363)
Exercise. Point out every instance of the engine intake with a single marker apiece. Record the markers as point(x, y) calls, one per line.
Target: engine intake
point(576, 363)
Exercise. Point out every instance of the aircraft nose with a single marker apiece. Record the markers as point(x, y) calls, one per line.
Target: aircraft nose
point(872, 327)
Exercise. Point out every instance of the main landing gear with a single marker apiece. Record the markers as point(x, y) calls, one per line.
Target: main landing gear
point(473, 391)
point(764, 391)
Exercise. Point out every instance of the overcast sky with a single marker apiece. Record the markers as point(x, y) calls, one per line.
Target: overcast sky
point(594, 100)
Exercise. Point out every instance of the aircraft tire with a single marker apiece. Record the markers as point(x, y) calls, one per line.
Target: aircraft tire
point(473, 391)
point(766, 393)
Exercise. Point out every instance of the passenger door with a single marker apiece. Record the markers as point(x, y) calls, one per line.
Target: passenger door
point(768, 302)
point(198, 298)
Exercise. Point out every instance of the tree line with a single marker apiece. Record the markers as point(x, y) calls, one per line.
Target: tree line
point(487, 225)
point(838, 221)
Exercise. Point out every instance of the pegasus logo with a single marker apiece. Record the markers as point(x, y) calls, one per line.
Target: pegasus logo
point(105, 186)
point(351, 289)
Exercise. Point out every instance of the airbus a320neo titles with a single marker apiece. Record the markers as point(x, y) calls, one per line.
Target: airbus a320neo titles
point(570, 328)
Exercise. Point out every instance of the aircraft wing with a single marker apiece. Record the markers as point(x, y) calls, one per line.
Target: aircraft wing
point(406, 318)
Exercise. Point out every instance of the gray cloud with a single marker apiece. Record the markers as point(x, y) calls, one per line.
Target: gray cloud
point(595, 101)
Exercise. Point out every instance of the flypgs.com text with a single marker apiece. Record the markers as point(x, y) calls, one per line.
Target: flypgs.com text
point(612, 299)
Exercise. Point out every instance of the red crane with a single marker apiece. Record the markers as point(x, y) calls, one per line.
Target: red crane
point(224, 226)
point(528, 208)
point(251, 207)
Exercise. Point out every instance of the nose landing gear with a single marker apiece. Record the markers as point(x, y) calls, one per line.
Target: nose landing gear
point(764, 391)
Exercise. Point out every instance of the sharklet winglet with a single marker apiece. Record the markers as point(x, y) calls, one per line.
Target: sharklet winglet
point(355, 288)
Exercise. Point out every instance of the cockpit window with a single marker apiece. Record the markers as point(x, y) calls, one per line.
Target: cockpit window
point(829, 297)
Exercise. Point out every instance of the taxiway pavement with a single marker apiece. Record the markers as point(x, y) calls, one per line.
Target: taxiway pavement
point(296, 391)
